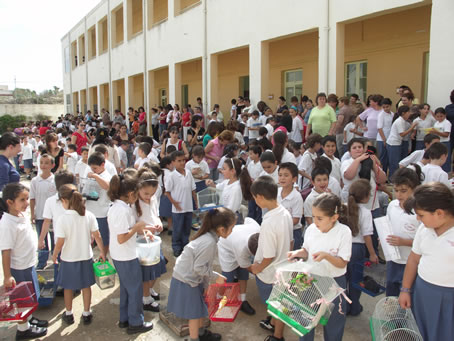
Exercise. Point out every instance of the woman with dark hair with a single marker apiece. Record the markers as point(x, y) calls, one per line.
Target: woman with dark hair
point(79, 137)
point(9, 147)
point(450, 117)
point(322, 119)
point(102, 137)
point(370, 117)
point(196, 131)
point(142, 121)
point(55, 151)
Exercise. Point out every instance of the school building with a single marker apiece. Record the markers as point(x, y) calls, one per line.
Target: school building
point(153, 52)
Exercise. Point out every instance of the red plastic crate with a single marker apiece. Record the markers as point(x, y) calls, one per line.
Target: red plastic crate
point(215, 294)
point(17, 303)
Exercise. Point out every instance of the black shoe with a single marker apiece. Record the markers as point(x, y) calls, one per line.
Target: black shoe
point(151, 307)
point(356, 313)
point(176, 254)
point(169, 232)
point(60, 293)
point(273, 338)
point(31, 333)
point(155, 297)
point(247, 309)
point(87, 319)
point(266, 324)
point(38, 323)
point(145, 327)
point(381, 260)
point(209, 336)
point(124, 324)
point(69, 319)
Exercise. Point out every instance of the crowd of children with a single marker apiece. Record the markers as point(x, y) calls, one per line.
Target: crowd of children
point(282, 197)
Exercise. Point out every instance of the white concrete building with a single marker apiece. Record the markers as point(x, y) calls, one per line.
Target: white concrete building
point(149, 52)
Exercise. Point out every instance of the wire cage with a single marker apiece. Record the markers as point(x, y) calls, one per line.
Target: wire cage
point(301, 298)
point(373, 277)
point(89, 188)
point(47, 279)
point(392, 323)
point(17, 303)
point(223, 301)
point(209, 198)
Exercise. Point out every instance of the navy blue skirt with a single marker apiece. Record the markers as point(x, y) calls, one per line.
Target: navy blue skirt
point(27, 275)
point(152, 272)
point(433, 307)
point(165, 207)
point(76, 275)
point(185, 301)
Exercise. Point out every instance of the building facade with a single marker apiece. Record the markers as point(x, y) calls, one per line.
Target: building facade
point(152, 52)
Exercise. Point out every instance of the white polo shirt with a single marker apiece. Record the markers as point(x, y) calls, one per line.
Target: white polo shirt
point(180, 187)
point(110, 168)
point(40, 190)
point(274, 175)
point(307, 165)
point(398, 127)
point(297, 127)
point(122, 156)
point(309, 202)
point(444, 127)
point(53, 209)
point(288, 157)
point(437, 256)
point(403, 225)
point(337, 242)
point(76, 230)
point(435, 173)
point(233, 251)
point(428, 122)
point(336, 167)
point(71, 162)
point(365, 224)
point(293, 203)
point(202, 165)
point(385, 122)
point(414, 157)
point(18, 235)
point(274, 241)
point(231, 196)
point(120, 219)
point(254, 169)
point(149, 212)
point(334, 186)
point(98, 207)
point(81, 168)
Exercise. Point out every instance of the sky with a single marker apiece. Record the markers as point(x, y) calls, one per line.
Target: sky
point(30, 34)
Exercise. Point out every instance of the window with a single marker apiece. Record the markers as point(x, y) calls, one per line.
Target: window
point(135, 17)
point(81, 49)
point(244, 86)
point(67, 60)
point(356, 79)
point(117, 26)
point(163, 97)
point(92, 42)
point(184, 95)
point(68, 103)
point(102, 36)
point(293, 84)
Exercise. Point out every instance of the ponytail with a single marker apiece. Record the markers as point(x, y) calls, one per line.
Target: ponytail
point(279, 139)
point(400, 111)
point(74, 198)
point(243, 175)
point(121, 186)
point(358, 192)
point(353, 215)
point(10, 192)
point(214, 219)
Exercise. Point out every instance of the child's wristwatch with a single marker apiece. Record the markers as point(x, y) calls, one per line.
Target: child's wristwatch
point(407, 290)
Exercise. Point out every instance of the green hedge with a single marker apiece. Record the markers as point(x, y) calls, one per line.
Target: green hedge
point(9, 123)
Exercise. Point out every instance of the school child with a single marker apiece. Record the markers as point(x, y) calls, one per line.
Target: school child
point(333, 185)
point(122, 153)
point(72, 158)
point(394, 141)
point(100, 181)
point(143, 151)
point(433, 171)
point(109, 166)
point(418, 154)
point(294, 148)
point(329, 149)
point(254, 168)
point(425, 121)
point(235, 257)
point(351, 130)
point(320, 181)
point(41, 151)
point(174, 140)
point(297, 132)
point(328, 242)
point(120, 218)
point(41, 188)
point(405, 180)
point(270, 124)
point(165, 206)
point(307, 160)
point(82, 164)
point(276, 234)
point(253, 125)
point(145, 209)
point(180, 187)
point(280, 150)
point(18, 245)
point(198, 167)
point(289, 197)
point(362, 229)
point(428, 282)
point(244, 119)
point(74, 232)
point(27, 157)
point(384, 124)
point(269, 165)
point(193, 270)
point(230, 151)
point(442, 128)
point(262, 140)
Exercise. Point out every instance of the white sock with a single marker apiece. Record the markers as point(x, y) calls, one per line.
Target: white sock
point(242, 297)
point(155, 304)
point(86, 313)
point(69, 312)
point(147, 300)
point(154, 293)
point(23, 326)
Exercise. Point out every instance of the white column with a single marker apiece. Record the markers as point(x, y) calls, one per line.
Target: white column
point(258, 71)
point(441, 70)
point(126, 99)
point(336, 59)
point(212, 80)
point(323, 47)
point(174, 83)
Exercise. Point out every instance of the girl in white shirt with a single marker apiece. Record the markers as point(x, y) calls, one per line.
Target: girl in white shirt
point(280, 150)
point(404, 225)
point(73, 233)
point(306, 165)
point(428, 283)
point(269, 165)
point(442, 128)
point(425, 121)
point(146, 210)
point(329, 243)
point(18, 244)
point(360, 222)
point(123, 231)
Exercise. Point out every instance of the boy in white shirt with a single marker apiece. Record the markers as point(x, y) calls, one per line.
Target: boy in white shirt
point(297, 132)
point(124, 146)
point(180, 186)
point(384, 123)
point(82, 164)
point(27, 157)
point(417, 155)
point(329, 148)
point(442, 128)
point(41, 188)
point(198, 167)
point(320, 181)
point(253, 125)
point(307, 160)
point(351, 130)
point(73, 158)
point(270, 125)
point(274, 243)
point(289, 197)
point(109, 166)
point(254, 166)
point(144, 154)
point(438, 153)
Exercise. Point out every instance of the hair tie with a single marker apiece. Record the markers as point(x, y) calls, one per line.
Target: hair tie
point(212, 211)
point(72, 191)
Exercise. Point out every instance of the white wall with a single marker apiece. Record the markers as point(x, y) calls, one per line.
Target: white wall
point(30, 110)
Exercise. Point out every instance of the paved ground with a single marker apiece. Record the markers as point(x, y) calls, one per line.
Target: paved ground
point(105, 311)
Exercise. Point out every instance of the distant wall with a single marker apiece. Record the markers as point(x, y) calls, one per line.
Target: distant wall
point(31, 110)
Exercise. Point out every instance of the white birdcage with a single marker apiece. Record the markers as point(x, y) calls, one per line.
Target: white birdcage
point(209, 198)
point(89, 189)
point(392, 323)
point(301, 298)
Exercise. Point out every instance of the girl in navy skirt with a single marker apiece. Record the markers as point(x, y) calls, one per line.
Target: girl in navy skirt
point(18, 244)
point(428, 283)
point(165, 206)
point(73, 232)
point(193, 269)
point(145, 209)
point(123, 232)
point(360, 222)
point(329, 242)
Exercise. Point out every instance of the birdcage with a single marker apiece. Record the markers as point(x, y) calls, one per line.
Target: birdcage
point(373, 277)
point(18, 303)
point(223, 301)
point(301, 298)
point(47, 284)
point(89, 189)
point(392, 323)
point(209, 198)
